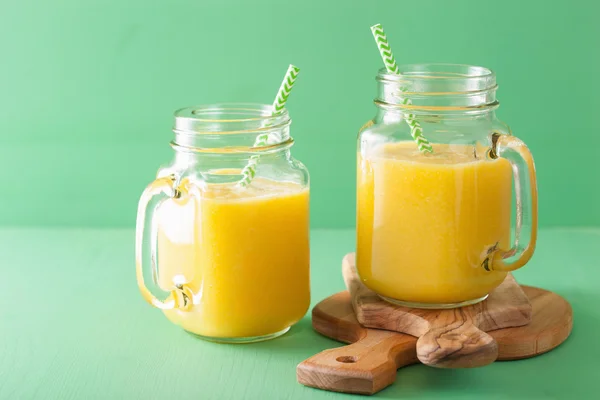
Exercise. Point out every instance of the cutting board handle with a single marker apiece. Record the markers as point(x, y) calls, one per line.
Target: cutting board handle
point(457, 345)
point(364, 367)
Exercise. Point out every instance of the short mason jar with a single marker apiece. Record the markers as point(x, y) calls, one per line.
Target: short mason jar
point(434, 229)
point(225, 259)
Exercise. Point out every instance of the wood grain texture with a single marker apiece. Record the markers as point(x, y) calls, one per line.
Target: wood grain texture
point(366, 366)
point(551, 324)
point(453, 338)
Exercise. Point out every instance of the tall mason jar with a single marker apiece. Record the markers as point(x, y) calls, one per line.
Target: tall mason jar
point(434, 229)
point(225, 258)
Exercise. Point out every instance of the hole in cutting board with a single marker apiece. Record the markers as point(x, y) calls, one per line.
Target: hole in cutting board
point(347, 359)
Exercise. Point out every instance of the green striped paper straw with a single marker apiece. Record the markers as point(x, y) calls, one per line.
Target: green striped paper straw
point(249, 171)
point(392, 67)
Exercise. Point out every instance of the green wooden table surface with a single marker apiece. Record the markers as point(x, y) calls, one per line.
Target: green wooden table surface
point(73, 326)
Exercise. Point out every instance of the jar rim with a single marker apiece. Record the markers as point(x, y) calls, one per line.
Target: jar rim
point(438, 87)
point(229, 118)
point(443, 71)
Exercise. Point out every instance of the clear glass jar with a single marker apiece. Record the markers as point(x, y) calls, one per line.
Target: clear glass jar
point(225, 261)
point(434, 229)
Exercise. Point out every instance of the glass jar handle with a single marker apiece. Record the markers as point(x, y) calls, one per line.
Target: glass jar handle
point(521, 160)
point(180, 296)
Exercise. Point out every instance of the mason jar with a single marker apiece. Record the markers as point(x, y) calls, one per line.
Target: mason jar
point(434, 227)
point(222, 242)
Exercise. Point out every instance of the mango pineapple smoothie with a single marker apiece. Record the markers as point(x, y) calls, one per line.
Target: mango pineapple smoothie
point(246, 252)
point(424, 221)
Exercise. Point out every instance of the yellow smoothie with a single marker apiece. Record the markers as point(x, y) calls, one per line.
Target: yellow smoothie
point(246, 253)
point(424, 222)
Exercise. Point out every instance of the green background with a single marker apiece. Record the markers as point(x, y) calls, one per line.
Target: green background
point(86, 334)
point(88, 91)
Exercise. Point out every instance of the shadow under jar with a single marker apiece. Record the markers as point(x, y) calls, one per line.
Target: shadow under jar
point(226, 261)
point(434, 229)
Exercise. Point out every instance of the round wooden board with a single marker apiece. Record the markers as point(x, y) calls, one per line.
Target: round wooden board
point(369, 364)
